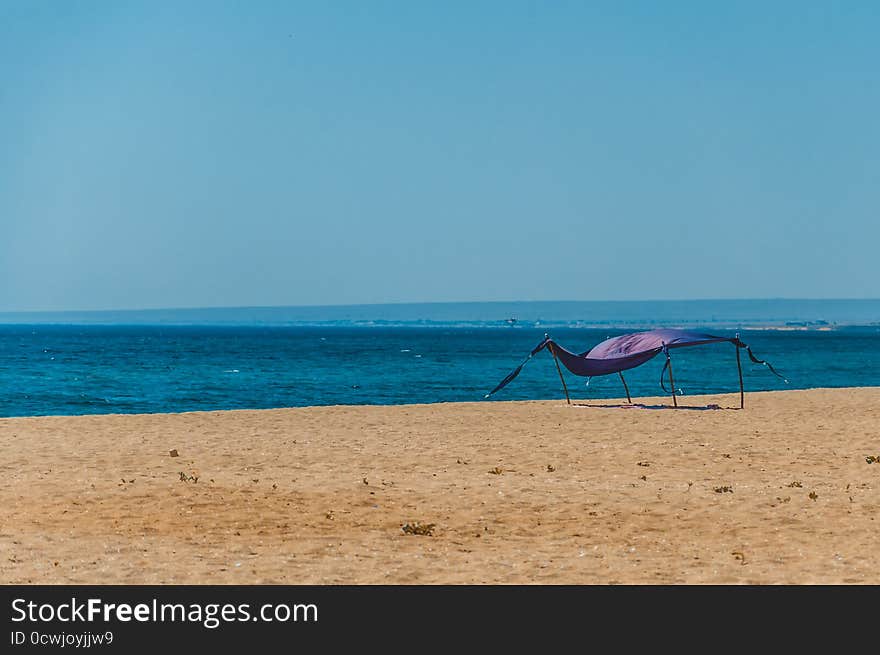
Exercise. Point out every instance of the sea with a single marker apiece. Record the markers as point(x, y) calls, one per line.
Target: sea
point(177, 360)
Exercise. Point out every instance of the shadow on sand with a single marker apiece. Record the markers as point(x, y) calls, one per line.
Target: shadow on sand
point(641, 406)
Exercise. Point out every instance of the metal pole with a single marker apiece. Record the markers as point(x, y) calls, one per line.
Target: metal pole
point(625, 388)
point(671, 379)
point(559, 370)
point(739, 369)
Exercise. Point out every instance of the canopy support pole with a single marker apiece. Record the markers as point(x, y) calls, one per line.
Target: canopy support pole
point(740, 371)
point(559, 370)
point(625, 388)
point(671, 379)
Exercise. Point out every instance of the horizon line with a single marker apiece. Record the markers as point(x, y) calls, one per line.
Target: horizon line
point(433, 302)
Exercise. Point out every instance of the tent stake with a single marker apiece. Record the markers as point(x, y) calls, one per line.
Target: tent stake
point(671, 380)
point(740, 371)
point(559, 370)
point(625, 388)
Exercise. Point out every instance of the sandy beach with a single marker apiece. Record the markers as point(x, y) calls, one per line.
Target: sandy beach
point(511, 492)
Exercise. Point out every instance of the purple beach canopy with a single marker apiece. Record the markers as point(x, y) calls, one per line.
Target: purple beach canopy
point(625, 352)
point(628, 350)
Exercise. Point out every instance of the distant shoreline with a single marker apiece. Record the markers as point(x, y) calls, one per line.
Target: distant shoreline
point(741, 314)
point(439, 325)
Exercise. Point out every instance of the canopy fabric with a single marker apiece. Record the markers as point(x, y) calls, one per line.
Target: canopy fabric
point(625, 352)
point(628, 350)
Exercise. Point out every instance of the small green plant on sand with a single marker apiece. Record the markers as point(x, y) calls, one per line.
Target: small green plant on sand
point(417, 528)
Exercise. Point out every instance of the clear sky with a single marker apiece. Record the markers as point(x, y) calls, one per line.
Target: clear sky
point(173, 154)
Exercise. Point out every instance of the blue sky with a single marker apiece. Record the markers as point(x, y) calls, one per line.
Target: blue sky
point(158, 154)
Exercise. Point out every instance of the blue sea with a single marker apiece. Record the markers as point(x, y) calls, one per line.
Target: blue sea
point(185, 360)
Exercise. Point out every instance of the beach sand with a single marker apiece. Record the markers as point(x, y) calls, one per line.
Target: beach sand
point(518, 492)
